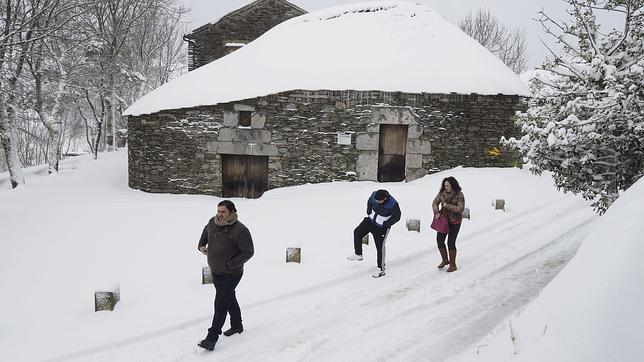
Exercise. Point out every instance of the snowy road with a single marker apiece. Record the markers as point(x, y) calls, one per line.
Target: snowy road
point(415, 312)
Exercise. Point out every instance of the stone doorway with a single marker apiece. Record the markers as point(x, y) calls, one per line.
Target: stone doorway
point(399, 131)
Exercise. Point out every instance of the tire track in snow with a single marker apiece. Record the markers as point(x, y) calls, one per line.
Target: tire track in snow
point(451, 321)
point(483, 308)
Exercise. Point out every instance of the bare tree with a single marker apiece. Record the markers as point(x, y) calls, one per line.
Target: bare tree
point(48, 63)
point(134, 42)
point(15, 40)
point(507, 44)
point(27, 24)
point(3, 161)
point(156, 50)
point(68, 68)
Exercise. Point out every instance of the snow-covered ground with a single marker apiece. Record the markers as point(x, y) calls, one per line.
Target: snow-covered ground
point(64, 236)
point(592, 311)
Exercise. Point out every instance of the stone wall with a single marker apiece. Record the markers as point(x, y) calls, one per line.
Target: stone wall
point(241, 26)
point(177, 151)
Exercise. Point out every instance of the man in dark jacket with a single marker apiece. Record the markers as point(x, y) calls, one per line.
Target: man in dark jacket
point(383, 212)
point(228, 245)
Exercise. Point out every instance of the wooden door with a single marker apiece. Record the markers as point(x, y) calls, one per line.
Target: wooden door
point(244, 176)
point(391, 152)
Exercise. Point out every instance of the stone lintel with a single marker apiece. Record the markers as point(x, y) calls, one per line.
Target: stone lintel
point(393, 115)
point(251, 149)
point(244, 108)
point(244, 135)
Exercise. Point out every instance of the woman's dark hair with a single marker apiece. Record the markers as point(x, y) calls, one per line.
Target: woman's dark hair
point(452, 181)
point(229, 205)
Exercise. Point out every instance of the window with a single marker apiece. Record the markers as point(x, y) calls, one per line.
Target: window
point(244, 118)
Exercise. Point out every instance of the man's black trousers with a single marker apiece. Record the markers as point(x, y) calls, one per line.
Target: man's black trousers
point(225, 302)
point(379, 237)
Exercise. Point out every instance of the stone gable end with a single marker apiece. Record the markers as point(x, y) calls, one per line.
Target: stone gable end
point(213, 41)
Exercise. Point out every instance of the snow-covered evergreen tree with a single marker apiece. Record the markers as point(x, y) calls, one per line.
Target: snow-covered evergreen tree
point(585, 122)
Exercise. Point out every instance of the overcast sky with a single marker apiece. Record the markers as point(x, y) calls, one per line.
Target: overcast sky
point(510, 12)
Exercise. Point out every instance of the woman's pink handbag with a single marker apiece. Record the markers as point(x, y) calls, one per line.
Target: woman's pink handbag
point(440, 225)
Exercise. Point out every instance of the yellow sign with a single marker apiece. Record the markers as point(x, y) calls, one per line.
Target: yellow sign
point(493, 152)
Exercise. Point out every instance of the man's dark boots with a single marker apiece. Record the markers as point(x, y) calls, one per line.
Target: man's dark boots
point(234, 329)
point(209, 342)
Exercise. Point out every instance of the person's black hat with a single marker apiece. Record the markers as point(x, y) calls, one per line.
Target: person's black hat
point(381, 194)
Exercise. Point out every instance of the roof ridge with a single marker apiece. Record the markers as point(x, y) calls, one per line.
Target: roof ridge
point(242, 9)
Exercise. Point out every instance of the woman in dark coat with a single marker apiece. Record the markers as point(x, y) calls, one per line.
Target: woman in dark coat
point(451, 200)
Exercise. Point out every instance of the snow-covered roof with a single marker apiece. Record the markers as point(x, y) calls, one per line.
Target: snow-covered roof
point(379, 45)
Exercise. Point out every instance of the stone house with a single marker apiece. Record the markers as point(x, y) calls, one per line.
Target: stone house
point(236, 29)
point(404, 94)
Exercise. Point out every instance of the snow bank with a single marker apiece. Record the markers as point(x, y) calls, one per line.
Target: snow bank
point(383, 45)
point(592, 311)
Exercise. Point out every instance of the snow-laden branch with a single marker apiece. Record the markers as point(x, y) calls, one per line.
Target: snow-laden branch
point(626, 33)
